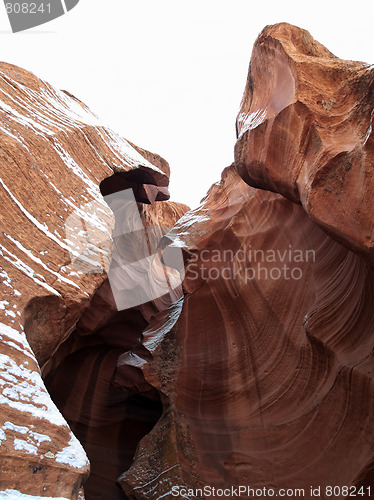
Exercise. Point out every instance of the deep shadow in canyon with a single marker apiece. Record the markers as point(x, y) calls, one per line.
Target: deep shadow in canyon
point(108, 419)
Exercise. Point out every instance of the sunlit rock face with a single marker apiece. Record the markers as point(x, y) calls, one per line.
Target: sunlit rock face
point(305, 131)
point(55, 157)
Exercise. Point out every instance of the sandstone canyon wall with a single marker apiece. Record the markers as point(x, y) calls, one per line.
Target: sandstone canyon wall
point(258, 370)
point(57, 160)
point(269, 377)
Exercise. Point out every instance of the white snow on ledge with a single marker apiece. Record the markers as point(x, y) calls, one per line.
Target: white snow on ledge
point(16, 495)
point(73, 455)
point(250, 121)
point(48, 109)
point(23, 390)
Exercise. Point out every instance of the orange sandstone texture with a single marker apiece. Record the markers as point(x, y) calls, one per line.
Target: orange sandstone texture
point(55, 156)
point(266, 379)
point(305, 131)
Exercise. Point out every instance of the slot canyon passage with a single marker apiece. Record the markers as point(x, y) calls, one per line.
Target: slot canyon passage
point(254, 367)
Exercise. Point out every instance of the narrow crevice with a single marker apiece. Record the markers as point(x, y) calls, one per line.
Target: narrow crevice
point(108, 419)
point(108, 405)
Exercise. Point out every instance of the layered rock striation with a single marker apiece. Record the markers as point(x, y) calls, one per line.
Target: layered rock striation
point(57, 159)
point(266, 371)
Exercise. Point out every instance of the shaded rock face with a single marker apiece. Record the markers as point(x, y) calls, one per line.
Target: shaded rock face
point(258, 370)
point(106, 400)
point(55, 158)
point(267, 374)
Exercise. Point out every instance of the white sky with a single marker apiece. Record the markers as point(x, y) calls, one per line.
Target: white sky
point(169, 74)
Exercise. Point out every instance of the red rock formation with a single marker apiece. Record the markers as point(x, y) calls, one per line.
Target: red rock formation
point(266, 377)
point(264, 366)
point(54, 155)
point(305, 131)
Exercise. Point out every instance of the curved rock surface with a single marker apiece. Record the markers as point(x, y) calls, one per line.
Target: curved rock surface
point(305, 131)
point(55, 157)
point(265, 368)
